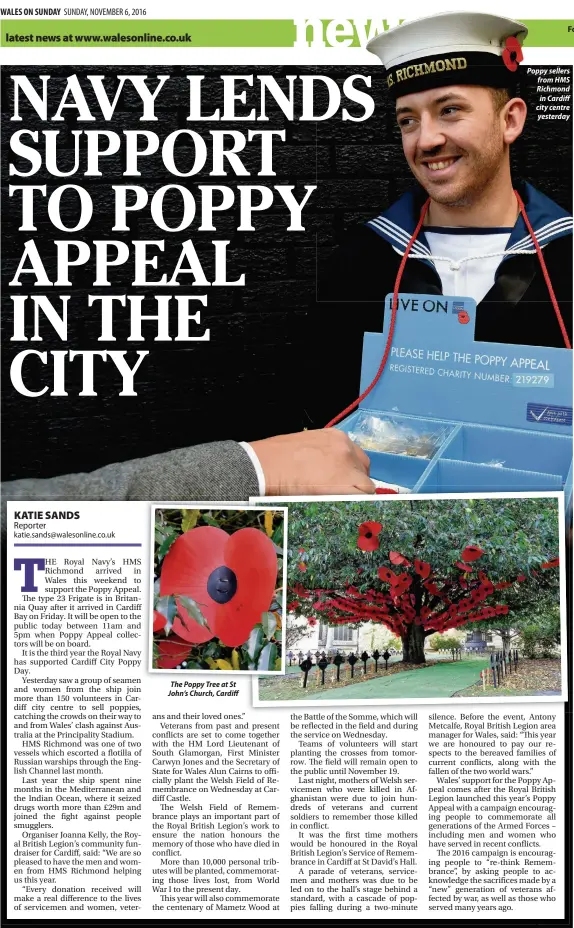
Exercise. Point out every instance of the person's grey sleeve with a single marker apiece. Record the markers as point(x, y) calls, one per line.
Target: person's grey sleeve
point(217, 471)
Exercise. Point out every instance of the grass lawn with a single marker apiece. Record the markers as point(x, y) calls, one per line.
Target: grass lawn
point(534, 678)
point(402, 681)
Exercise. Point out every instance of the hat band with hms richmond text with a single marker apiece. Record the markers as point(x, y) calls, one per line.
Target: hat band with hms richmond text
point(479, 68)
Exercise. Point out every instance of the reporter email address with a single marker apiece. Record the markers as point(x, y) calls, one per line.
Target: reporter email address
point(27, 531)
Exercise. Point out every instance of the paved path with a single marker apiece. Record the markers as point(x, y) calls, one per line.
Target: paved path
point(438, 680)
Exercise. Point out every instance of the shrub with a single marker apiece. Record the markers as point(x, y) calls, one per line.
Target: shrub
point(538, 642)
point(443, 643)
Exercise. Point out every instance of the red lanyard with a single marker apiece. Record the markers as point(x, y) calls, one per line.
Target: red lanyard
point(395, 303)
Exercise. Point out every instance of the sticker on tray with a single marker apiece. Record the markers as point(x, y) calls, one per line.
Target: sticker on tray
point(533, 380)
point(557, 415)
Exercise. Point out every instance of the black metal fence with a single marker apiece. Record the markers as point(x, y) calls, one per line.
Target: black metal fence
point(502, 663)
point(456, 654)
point(341, 665)
point(332, 666)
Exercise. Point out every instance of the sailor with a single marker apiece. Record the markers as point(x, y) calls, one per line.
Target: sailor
point(481, 234)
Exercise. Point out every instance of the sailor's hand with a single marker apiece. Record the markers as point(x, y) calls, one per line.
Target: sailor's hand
point(318, 462)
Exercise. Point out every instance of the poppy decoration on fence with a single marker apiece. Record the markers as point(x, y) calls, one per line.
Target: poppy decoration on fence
point(217, 590)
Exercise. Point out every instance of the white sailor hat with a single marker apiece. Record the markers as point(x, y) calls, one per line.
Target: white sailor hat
point(450, 48)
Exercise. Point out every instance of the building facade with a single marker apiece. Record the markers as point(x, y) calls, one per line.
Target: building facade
point(371, 635)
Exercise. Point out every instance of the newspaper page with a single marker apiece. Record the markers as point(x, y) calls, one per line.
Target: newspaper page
point(256, 664)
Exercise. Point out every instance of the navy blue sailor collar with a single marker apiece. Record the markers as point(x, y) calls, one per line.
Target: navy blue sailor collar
point(549, 221)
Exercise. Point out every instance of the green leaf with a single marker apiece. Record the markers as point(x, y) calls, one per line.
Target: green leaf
point(269, 624)
point(189, 521)
point(166, 605)
point(254, 643)
point(268, 521)
point(223, 665)
point(166, 545)
point(192, 608)
point(267, 657)
point(211, 649)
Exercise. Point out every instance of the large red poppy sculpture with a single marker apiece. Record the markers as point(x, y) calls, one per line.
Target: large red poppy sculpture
point(230, 578)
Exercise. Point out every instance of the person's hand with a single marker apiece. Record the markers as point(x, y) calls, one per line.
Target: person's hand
point(318, 462)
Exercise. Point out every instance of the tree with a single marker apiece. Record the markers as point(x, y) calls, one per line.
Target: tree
point(297, 628)
point(527, 602)
point(420, 566)
point(444, 642)
point(541, 636)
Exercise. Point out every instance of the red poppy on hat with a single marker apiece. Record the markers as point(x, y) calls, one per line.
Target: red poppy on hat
point(172, 651)
point(369, 536)
point(512, 53)
point(471, 553)
point(230, 577)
